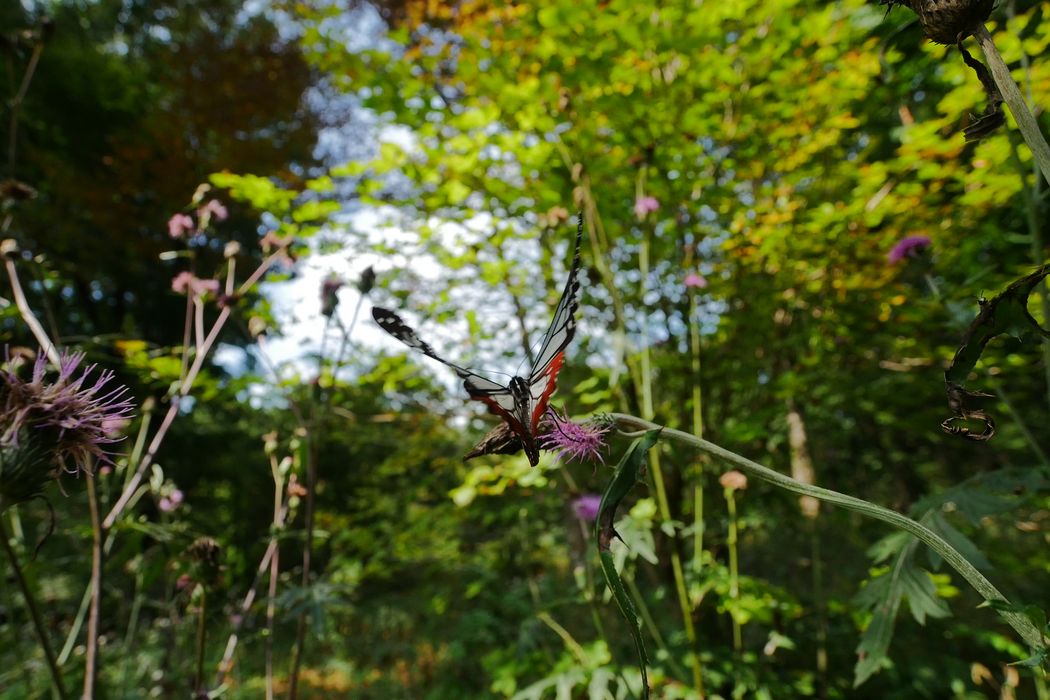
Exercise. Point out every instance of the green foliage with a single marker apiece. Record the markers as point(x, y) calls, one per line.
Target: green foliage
point(778, 150)
point(622, 481)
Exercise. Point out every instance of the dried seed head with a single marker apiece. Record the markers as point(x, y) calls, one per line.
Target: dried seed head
point(206, 557)
point(948, 21)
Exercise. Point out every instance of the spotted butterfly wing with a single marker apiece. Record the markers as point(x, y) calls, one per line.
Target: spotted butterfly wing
point(522, 403)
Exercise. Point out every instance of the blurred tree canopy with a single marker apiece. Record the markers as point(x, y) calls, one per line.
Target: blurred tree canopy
point(131, 106)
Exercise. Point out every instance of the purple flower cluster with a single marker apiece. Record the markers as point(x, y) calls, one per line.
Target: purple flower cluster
point(908, 247)
point(171, 502)
point(586, 506)
point(71, 416)
point(182, 226)
point(188, 282)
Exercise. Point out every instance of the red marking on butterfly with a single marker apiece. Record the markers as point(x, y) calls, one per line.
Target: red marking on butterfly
point(522, 403)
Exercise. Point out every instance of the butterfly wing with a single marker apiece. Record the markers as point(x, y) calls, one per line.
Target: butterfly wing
point(523, 403)
point(499, 399)
point(543, 375)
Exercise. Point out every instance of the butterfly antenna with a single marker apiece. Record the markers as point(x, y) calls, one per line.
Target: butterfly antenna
point(557, 421)
point(492, 371)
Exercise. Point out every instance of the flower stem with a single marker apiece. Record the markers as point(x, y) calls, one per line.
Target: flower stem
point(94, 611)
point(198, 678)
point(1024, 628)
point(34, 612)
point(1026, 123)
point(734, 567)
point(662, 502)
point(184, 388)
point(28, 316)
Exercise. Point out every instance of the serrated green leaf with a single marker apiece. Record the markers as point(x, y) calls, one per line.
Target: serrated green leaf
point(921, 594)
point(882, 596)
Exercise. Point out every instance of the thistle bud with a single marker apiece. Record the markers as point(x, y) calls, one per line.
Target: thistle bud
point(367, 280)
point(206, 554)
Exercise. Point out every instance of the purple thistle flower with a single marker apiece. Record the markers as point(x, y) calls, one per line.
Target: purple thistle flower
point(574, 440)
point(214, 208)
point(644, 205)
point(179, 225)
point(188, 282)
point(68, 418)
point(908, 247)
point(170, 502)
point(586, 506)
point(695, 280)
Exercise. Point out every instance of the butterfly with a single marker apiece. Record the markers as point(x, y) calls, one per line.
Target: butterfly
point(523, 402)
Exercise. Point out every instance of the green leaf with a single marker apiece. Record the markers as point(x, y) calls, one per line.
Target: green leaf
point(623, 481)
point(315, 210)
point(882, 596)
point(260, 192)
point(939, 524)
point(1035, 614)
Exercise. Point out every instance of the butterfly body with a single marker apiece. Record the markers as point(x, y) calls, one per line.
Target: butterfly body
point(521, 403)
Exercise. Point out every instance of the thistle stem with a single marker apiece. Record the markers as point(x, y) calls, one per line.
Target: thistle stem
point(1024, 628)
point(28, 316)
point(34, 613)
point(1026, 122)
point(95, 607)
point(198, 679)
point(734, 567)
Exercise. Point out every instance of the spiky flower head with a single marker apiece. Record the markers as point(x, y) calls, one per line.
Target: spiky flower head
point(573, 440)
point(50, 424)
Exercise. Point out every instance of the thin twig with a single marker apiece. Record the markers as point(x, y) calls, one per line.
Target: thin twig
point(94, 611)
point(226, 665)
point(300, 633)
point(27, 314)
point(34, 613)
point(15, 105)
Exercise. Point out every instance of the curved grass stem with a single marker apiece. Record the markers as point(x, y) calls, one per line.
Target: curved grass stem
point(1024, 628)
